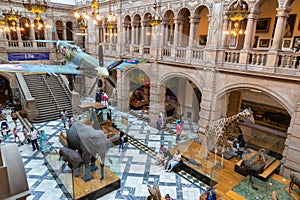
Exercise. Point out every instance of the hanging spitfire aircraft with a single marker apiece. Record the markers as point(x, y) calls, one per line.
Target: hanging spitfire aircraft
point(77, 62)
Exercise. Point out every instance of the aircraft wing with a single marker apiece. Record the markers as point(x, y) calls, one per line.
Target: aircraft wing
point(126, 64)
point(39, 69)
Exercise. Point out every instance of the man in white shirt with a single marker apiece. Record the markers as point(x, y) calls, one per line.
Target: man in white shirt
point(33, 134)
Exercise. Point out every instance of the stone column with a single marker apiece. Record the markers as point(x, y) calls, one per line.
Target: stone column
point(143, 33)
point(123, 40)
point(224, 43)
point(19, 34)
point(180, 34)
point(248, 37)
point(136, 34)
point(45, 33)
point(132, 34)
point(193, 30)
point(123, 95)
point(176, 32)
point(206, 101)
point(249, 30)
point(64, 32)
point(104, 35)
point(282, 15)
point(163, 33)
point(157, 95)
point(32, 35)
point(290, 161)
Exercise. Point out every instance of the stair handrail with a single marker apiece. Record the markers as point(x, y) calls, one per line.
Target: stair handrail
point(67, 90)
point(51, 93)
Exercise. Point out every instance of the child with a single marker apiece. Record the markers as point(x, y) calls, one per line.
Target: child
point(17, 136)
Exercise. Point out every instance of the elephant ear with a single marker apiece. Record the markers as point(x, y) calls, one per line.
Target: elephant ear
point(93, 140)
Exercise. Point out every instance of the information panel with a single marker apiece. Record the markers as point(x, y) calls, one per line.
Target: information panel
point(27, 56)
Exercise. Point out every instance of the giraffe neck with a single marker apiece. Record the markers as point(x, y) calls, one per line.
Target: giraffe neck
point(232, 119)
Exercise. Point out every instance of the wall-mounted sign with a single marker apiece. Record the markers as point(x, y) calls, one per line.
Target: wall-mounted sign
point(28, 56)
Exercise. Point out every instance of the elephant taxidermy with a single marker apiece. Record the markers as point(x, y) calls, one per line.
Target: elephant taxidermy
point(89, 143)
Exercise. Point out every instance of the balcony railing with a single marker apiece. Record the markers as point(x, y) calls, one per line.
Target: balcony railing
point(232, 56)
point(114, 47)
point(288, 60)
point(166, 51)
point(257, 58)
point(13, 44)
point(41, 44)
point(197, 54)
point(27, 44)
point(181, 52)
point(146, 50)
point(136, 49)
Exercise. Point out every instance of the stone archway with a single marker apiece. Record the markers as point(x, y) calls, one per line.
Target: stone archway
point(271, 114)
point(7, 81)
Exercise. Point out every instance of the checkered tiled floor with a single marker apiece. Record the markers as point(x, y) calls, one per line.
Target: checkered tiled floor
point(136, 168)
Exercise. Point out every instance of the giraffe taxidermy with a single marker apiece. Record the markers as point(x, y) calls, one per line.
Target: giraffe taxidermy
point(216, 131)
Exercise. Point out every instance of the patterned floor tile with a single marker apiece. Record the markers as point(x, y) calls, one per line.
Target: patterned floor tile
point(136, 165)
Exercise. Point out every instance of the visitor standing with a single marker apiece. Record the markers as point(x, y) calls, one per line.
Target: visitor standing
point(43, 140)
point(33, 134)
point(14, 116)
point(17, 136)
point(178, 130)
point(64, 116)
point(121, 140)
point(181, 122)
point(159, 124)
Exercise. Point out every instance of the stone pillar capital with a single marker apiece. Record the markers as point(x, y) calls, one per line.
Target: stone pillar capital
point(194, 20)
point(283, 12)
point(253, 15)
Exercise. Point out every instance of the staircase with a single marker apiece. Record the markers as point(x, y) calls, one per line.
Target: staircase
point(51, 96)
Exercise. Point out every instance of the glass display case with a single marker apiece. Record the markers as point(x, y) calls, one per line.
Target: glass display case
point(77, 187)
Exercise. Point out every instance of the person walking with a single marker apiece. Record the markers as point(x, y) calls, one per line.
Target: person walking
point(43, 140)
point(34, 136)
point(64, 116)
point(159, 124)
point(14, 116)
point(17, 136)
point(178, 130)
point(121, 140)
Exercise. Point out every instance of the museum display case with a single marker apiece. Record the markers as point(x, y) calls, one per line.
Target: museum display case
point(75, 181)
point(257, 137)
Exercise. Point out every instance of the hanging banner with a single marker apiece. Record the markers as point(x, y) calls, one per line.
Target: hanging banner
point(28, 56)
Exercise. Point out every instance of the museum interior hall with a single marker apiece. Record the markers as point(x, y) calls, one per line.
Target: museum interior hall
point(150, 99)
